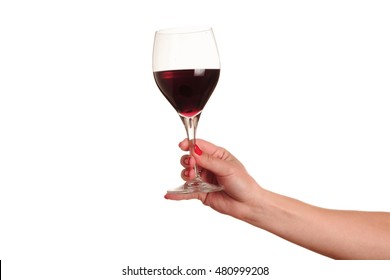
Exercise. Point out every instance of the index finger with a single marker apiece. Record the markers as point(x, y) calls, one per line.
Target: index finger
point(203, 145)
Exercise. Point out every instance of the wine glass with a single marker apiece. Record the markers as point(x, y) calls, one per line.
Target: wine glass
point(186, 69)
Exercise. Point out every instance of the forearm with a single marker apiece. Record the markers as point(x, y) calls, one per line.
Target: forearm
point(333, 233)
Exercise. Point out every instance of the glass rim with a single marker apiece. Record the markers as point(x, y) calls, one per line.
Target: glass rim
point(183, 30)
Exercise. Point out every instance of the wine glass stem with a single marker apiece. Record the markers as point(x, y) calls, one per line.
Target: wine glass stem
point(190, 124)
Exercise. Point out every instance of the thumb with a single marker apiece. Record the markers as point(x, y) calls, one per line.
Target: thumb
point(218, 166)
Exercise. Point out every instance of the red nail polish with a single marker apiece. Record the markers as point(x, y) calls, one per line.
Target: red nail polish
point(197, 150)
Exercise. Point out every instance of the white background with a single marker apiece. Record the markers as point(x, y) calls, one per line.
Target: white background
point(88, 145)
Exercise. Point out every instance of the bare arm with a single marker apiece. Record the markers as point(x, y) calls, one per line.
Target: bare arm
point(337, 234)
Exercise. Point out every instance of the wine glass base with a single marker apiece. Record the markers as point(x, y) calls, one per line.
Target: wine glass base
point(196, 186)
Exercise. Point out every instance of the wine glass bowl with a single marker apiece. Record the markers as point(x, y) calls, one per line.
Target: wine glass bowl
point(186, 69)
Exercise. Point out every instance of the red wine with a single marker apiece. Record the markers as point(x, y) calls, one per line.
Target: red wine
point(187, 90)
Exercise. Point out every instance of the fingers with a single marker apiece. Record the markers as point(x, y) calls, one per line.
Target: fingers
point(187, 161)
point(184, 145)
point(187, 174)
point(175, 196)
point(213, 158)
point(204, 146)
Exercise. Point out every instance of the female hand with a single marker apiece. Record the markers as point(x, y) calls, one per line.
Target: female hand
point(339, 234)
point(241, 192)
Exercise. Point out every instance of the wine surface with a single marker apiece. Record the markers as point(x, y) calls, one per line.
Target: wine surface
point(187, 90)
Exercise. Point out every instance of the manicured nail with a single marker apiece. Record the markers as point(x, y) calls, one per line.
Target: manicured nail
point(197, 150)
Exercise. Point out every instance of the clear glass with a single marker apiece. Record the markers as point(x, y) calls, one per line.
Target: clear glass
point(186, 69)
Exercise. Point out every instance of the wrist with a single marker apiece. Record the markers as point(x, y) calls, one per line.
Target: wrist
point(256, 208)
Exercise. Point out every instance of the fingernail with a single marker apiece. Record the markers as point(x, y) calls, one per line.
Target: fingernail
point(197, 150)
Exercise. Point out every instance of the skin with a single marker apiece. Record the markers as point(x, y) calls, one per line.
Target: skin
point(337, 234)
